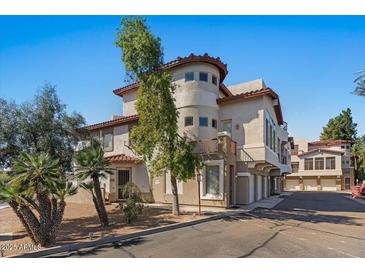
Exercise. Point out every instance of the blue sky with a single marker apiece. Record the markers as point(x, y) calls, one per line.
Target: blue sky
point(309, 61)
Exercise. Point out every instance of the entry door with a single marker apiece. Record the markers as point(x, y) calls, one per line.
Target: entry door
point(124, 176)
point(347, 183)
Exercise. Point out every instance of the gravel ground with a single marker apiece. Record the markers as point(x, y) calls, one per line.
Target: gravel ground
point(80, 220)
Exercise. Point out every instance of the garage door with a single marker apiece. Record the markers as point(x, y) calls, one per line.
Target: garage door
point(242, 186)
point(328, 184)
point(292, 185)
point(310, 185)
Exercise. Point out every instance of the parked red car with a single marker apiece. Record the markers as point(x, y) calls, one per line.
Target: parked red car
point(358, 191)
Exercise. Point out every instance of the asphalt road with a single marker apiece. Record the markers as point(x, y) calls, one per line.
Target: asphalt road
point(306, 224)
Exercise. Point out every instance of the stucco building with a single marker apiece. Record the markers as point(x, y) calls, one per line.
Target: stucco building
point(239, 132)
point(321, 166)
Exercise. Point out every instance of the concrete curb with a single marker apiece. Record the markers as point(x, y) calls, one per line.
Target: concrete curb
point(113, 239)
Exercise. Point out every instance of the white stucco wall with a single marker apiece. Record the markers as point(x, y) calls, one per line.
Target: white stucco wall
point(247, 121)
point(128, 101)
point(329, 172)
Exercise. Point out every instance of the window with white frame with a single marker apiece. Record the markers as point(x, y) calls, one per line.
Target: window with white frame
point(308, 164)
point(203, 121)
point(319, 163)
point(189, 76)
point(203, 76)
point(189, 121)
point(214, 123)
point(212, 180)
point(270, 132)
point(212, 186)
point(214, 80)
point(227, 126)
point(108, 141)
point(330, 163)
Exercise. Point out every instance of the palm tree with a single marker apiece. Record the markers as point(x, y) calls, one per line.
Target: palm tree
point(360, 81)
point(90, 163)
point(38, 183)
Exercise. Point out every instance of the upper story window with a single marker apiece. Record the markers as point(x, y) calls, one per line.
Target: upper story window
point(319, 163)
point(108, 141)
point(308, 164)
point(189, 121)
point(203, 76)
point(294, 167)
point(214, 123)
point(227, 126)
point(270, 132)
point(214, 80)
point(330, 163)
point(189, 76)
point(203, 121)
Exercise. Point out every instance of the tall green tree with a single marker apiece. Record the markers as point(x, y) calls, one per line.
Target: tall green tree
point(91, 164)
point(41, 125)
point(360, 84)
point(340, 127)
point(155, 138)
point(358, 150)
point(37, 192)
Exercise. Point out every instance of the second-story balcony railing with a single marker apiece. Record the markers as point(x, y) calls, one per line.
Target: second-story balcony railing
point(206, 146)
point(244, 155)
point(214, 146)
point(284, 126)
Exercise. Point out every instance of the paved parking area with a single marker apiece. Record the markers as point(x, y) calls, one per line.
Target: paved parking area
point(305, 224)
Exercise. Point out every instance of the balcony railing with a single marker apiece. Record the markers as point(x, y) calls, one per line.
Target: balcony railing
point(284, 126)
point(213, 146)
point(206, 146)
point(244, 156)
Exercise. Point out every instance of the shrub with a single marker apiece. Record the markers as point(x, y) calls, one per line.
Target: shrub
point(132, 206)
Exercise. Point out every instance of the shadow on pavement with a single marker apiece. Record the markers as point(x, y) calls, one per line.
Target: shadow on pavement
point(98, 250)
point(320, 201)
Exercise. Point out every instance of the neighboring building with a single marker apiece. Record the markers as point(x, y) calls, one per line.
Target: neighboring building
point(321, 166)
point(239, 132)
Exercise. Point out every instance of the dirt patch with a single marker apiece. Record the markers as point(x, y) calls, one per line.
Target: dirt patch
point(80, 224)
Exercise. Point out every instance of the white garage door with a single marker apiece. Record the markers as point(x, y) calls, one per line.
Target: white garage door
point(292, 185)
point(328, 184)
point(310, 185)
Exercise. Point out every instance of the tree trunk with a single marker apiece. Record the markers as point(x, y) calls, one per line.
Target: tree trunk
point(96, 206)
point(33, 224)
point(44, 216)
point(99, 198)
point(175, 198)
point(15, 206)
point(56, 222)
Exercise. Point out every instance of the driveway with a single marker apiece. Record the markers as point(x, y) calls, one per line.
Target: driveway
point(306, 224)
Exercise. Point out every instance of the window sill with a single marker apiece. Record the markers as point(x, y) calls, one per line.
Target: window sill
point(212, 198)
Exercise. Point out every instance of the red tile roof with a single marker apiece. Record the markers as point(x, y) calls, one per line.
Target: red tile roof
point(330, 142)
point(252, 94)
point(225, 90)
point(115, 122)
point(122, 158)
point(179, 61)
point(321, 150)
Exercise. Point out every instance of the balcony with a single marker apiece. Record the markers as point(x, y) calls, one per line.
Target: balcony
point(284, 126)
point(215, 146)
point(206, 147)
